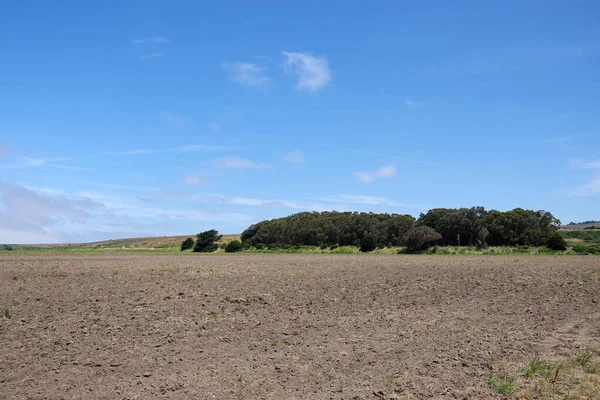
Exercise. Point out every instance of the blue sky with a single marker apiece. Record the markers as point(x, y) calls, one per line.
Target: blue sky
point(135, 118)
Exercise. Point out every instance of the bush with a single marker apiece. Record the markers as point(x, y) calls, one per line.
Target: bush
point(206, 241)
point(6, 247)
point(586, 249)
point(234, 246)
point(333, 246)
point(187, 244)
point(260, 246)
point(420, 238)
point(556, 242)
point(368, 243)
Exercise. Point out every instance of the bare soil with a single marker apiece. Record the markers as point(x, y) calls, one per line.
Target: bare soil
point(293, 326)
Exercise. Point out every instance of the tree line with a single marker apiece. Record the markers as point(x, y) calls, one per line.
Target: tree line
point(473, 226)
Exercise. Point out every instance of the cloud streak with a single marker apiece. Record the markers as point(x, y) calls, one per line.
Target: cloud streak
point(385, 172)
point(294, 157)
point(591, 188)
point(247, 74)
point(152, 40)
point(235, 162)
point(313, 73)
point(413, 103)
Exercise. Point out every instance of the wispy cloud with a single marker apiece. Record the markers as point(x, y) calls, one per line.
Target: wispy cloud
point(235, 162)
point(30, 162)
point(179, 149)
point(199, 147)
point(413, 103)
point(593, 187)
point(586, 164)
point(128, 152)
point(313, 72)
point(246, 73)
point(568, 138)
point(256, 202)
point(43, 215)
point(294, 157)
point(359, 151)
point(366, 200)
point(386, 172)
point(152, 55)
point(152, 40)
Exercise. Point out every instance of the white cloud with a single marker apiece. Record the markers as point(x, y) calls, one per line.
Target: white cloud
point(589, 189)
point(294, 157)
point(128, 152)
point(199, 147)
point(593, 187)
point(586, 164)
point(413, 103)
point(313, 72)
point(246, 73)
point(42, 215)
point(30, 162)
point(254, 202)
point(152, 40)
point(365, 199)
point(235, 162)
point(386, 172)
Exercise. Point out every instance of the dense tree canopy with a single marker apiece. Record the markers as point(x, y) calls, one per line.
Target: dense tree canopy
point(206, 241)
point(464, 226)
point(331, 228)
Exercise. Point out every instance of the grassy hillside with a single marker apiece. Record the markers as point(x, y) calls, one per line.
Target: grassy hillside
point(587, 236)
point(165, 243)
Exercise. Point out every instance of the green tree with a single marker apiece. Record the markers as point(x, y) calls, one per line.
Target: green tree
point(187, 244)
point(234, 246)
point(368, 243)
point(556, 242)
point(421, 237)
point(206, 241)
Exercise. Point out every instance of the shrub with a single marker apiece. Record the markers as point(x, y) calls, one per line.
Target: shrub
point(187, 244)
point(556, 242)
point(260, 246)
point(586, 249)
point(333, 246)
point(206, 241)
point(368, 243)
point(420, 238)
point(234, 246)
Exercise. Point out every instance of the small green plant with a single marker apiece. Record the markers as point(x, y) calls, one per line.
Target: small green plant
point(583, 359)
point(390, 380)
point(212, 314)
point(274, 343)
point(537, 366)
point(116, 272)
point(43, 355)
point(501, 385)
point(6, 313)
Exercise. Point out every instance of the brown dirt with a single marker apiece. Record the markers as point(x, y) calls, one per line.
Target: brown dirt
point(286, 326)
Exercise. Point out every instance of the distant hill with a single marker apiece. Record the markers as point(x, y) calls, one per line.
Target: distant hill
point(158, 242)
point(580, 226)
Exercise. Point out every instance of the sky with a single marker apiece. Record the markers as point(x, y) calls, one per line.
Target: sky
point(153, 118)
